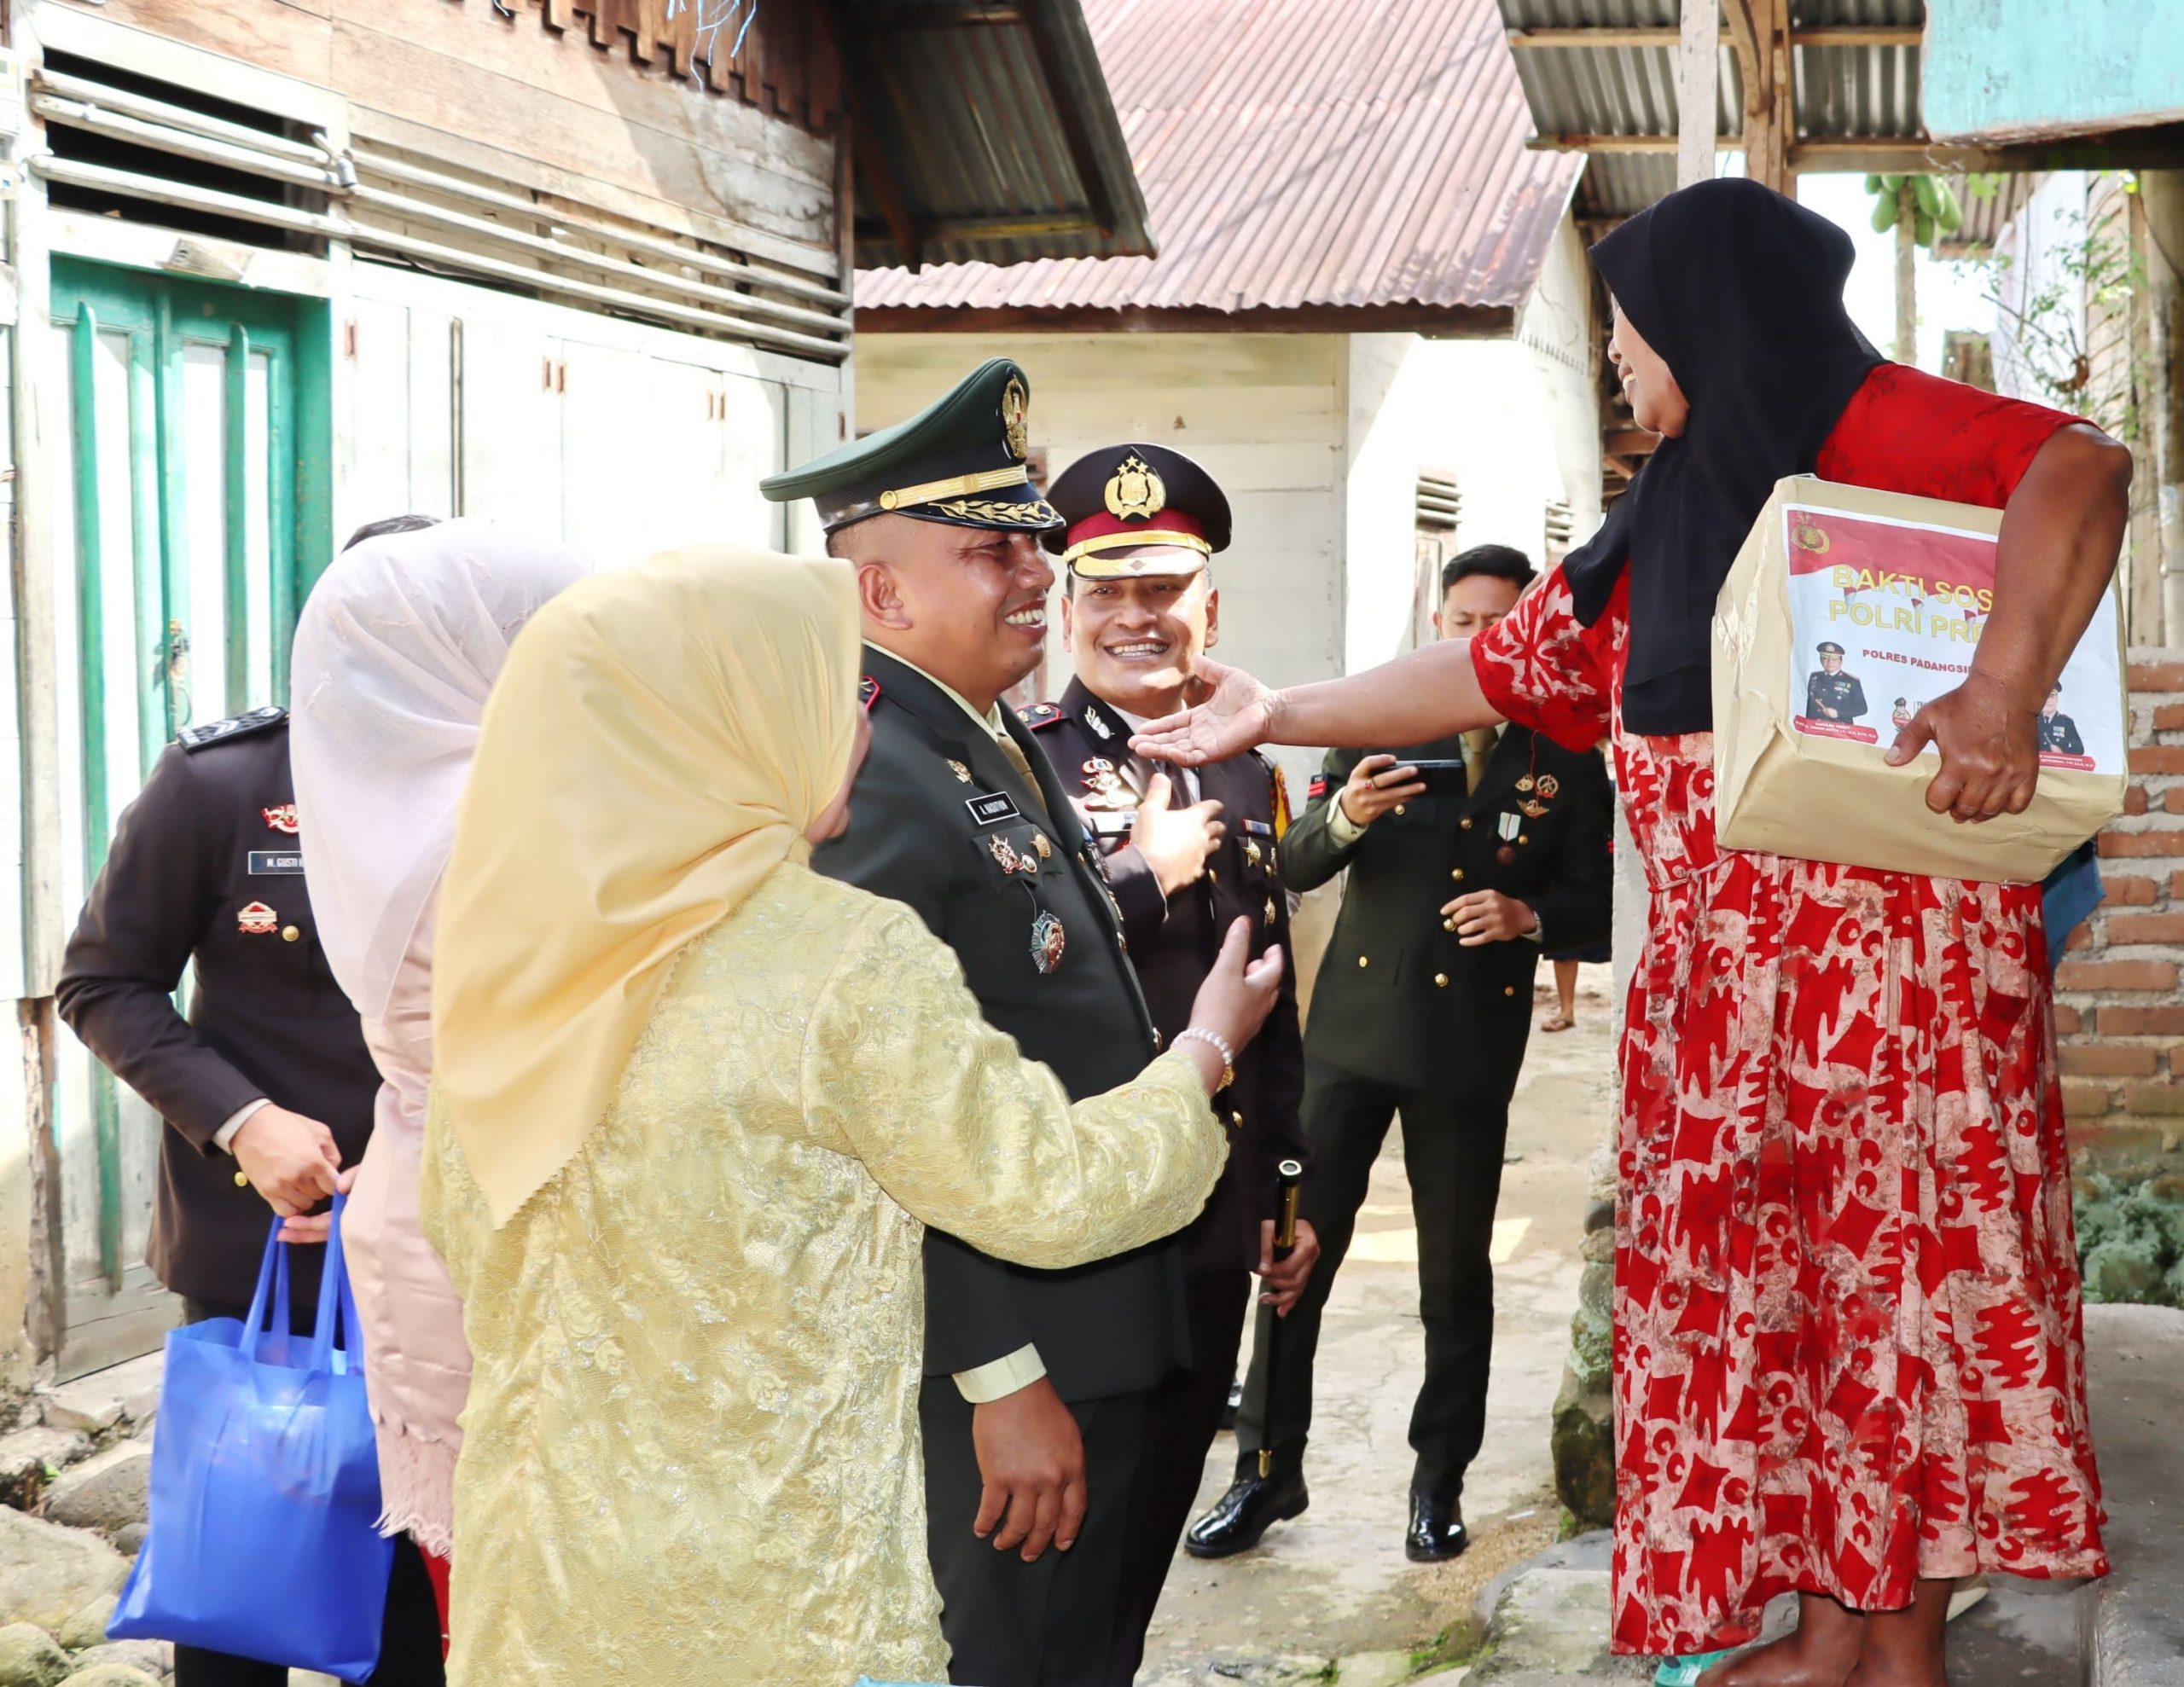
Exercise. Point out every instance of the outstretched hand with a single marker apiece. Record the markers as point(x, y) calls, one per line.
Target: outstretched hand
point(1233, 713)
point(1990, 750)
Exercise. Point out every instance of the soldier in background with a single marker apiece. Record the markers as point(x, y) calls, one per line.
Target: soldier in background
point(1144, 524)
point(267, 1087)
point(1422, 1008)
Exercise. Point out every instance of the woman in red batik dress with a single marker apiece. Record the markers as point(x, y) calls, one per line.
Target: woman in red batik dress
point(1848, 1353)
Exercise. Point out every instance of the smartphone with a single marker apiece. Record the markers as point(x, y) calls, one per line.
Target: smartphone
point(1440, 779)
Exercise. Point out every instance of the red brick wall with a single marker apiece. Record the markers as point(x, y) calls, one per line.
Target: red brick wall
point(2119, 1011)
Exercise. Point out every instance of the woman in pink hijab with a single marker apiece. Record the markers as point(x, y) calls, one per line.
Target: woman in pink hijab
point(398, 646)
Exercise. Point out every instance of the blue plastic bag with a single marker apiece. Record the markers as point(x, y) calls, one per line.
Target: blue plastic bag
point(264, 1539)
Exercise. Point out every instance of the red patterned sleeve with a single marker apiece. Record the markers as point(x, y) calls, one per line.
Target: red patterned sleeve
point(1909, 431)
point(1541, 669)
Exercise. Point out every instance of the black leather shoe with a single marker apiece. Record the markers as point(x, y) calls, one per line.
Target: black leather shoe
point(1437, 1530)
point(1234, 1406)
point(1252, 1506)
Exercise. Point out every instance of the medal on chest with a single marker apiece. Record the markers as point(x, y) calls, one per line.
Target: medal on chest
point(1047, 941)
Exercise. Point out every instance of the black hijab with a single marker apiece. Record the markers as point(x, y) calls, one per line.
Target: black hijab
point(1740, 291)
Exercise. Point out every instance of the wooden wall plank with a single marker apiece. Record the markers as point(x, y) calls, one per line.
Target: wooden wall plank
point(440, 92)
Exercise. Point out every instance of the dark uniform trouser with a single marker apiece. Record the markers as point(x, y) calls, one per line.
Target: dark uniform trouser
point(1452, 1149)
point(1007, 1623)
point(410, 1653)
point(1181, 1417)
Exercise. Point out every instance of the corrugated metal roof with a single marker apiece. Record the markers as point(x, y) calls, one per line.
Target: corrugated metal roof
point(986, 130)
point(1298, 156)
point(1862, 92)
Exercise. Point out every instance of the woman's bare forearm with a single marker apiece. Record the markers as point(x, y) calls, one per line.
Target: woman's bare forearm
point(2061, 533)
point(1430, 694)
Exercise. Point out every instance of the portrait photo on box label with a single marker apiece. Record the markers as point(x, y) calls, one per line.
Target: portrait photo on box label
point(1887, 615)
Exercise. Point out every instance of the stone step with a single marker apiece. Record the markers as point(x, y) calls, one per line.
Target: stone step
point(2135, 1360)
point(123, 1396)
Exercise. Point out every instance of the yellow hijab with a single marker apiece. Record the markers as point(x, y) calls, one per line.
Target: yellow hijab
point(659, 741)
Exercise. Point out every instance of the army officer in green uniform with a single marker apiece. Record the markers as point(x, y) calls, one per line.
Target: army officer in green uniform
point(1036, 1382)
point(1422, 1008)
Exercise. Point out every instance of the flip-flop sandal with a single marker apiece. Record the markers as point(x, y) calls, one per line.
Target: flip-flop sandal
point(1557, 1023)
point(1685, 1672)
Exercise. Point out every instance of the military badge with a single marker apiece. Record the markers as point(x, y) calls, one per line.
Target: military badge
point(961, 772)
point(255, 919)
point(1269, 911)
point(1136, 492)
point(282, 819)
point(1252, 853)
point(1549, 784)
point(1039, 842)
point(1534, 809)
point(1004, 853)
point(1507, 825)
point(1016, 418)
point(1047, 939)
point(1097, 725)
point(1525, 783)
point(867, 693)
point(1506, 854)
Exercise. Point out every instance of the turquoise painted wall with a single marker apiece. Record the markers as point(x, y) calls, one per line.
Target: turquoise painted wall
point(2050, 66)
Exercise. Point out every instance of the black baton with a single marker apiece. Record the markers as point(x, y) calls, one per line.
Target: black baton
point(1289, 1184)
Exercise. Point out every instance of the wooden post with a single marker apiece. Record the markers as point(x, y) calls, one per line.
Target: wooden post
point(1698, 71)
point(1762, 29)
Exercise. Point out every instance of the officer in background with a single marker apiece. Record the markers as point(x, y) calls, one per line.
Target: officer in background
point(267, 1087)
point(1144, 522)
point(1034, 1402)
point(1422, 1007)
point(1832, 695)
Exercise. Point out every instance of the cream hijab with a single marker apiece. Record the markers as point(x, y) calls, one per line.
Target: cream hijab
point(656, 745)
point(398, 644)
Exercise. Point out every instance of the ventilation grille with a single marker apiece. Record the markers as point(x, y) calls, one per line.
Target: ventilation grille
point(145, 150)
point(1440, 506)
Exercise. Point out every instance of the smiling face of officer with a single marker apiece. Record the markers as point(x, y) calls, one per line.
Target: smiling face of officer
point(967, 604)
point(1830, 662)
point(1133, 638)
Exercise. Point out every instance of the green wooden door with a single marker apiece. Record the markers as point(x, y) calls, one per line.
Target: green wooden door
point(188, 516)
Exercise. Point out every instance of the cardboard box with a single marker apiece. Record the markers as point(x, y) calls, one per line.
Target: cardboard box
point(1904, 585)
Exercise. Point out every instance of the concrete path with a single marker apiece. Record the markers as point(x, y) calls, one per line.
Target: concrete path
point(1334, 1584)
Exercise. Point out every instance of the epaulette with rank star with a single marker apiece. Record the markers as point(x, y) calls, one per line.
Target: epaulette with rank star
point(867, 693)
point(1039, 715)
point(235, 725)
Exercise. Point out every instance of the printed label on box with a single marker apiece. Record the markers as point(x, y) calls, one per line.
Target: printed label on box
point(1886, 615)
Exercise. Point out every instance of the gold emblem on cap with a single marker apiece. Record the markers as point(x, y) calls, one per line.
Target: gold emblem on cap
point(1015, 415)
point(1135, 492)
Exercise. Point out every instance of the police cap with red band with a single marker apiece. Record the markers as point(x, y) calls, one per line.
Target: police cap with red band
point(1122, 501)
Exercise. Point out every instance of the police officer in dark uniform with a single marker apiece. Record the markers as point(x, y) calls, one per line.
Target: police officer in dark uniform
point(2059, 733)
point(1832, 695)
point(1456, 881)
point(267, 1087)
point(1036, 1382)
point(1144, 522)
